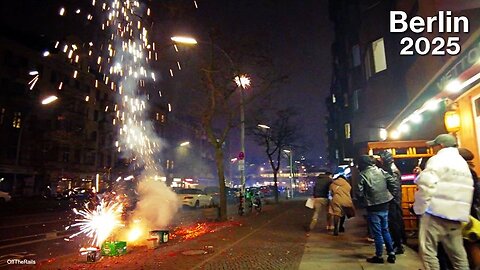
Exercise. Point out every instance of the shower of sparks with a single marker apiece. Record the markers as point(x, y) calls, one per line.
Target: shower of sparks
point(34, 80)
point(99, 223)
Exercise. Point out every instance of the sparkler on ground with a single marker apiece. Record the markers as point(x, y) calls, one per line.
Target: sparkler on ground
point(99, 223)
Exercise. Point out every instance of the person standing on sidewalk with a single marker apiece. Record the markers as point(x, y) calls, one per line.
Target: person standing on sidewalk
point(320, 195)
point(340, 190)
point(395, 216)
point(375, 188)
point(443, 199)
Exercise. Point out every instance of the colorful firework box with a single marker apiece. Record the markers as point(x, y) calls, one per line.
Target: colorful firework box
point(114, 248)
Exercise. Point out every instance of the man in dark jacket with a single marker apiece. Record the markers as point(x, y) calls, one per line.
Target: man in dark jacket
point(375, 188)
point(395, 217)
point(320, 195)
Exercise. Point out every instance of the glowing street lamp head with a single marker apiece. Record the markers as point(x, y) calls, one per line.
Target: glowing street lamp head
point(49, 100)
point(286, 151)
point(242, 81)
point(184, 40)
point(263, 126)
point(184, 143)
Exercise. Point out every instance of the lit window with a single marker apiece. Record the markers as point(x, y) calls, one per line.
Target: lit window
point(334, 99)
point(162, 118)
point(157, 116)
point(347, 131)
point(379, 59)
point(17, 120)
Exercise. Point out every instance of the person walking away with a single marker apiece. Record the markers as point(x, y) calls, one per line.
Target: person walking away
point(320, 195)
point(375, 188)
point(340, 190)
point(443, 199)
point(395, 216)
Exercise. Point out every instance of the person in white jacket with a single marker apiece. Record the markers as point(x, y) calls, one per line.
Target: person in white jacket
point(443, 198)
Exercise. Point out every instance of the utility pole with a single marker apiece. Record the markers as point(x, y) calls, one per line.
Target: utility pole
point(241, 161)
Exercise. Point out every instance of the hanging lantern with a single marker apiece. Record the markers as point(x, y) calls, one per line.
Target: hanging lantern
point(452, 121)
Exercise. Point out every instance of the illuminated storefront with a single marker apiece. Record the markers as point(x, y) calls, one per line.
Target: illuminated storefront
point(453, 95)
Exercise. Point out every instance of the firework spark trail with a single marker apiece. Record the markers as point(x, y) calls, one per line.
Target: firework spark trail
point(129, 50)
point(99, 223)
point(122, 59)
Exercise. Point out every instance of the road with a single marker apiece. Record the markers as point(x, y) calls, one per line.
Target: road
point(42, 236)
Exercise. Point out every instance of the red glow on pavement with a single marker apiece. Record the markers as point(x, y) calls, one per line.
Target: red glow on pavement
point(199, 229)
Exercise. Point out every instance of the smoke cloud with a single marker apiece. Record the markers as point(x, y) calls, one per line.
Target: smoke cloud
point(157, 204)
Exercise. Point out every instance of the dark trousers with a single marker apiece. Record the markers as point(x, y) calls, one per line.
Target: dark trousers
point(395, 224)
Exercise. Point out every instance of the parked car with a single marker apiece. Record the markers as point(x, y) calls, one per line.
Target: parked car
point(4, 197)
point(213, 191)
point(194, 197)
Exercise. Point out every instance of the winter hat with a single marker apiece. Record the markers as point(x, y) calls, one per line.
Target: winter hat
point(386, 157)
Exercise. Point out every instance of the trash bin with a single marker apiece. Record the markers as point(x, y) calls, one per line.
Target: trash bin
point(114, 248)
point(161, 235)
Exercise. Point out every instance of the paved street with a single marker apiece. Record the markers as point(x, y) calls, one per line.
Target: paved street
point(41, 236)
point(273, 239)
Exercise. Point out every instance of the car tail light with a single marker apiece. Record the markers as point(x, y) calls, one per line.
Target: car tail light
point(188, 197)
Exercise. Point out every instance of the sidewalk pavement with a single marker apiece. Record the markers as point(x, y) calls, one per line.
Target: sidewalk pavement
point(350, 250)
point(273, 239)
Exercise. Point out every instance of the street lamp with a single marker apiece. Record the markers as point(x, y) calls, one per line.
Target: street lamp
point(290, 155)
point(263, 126)
point(184, 143)
point(184, 40)
point(242, 81)
point(49, 99)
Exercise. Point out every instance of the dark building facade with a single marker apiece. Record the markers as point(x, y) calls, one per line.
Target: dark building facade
point(378, 94)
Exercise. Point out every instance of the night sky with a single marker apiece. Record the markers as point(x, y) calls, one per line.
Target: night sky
point(297, 34)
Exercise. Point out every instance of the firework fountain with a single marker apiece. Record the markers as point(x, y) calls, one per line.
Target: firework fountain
point(123, 59)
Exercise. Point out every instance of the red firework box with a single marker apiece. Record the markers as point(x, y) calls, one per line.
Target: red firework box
point(114, 248)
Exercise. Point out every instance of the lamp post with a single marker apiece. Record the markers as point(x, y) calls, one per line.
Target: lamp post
point(290, 155)
point(242, 82)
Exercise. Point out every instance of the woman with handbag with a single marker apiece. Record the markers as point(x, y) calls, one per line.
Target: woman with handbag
point(341, 203)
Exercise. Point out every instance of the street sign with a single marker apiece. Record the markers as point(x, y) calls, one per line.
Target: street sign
point(241, 165)
point(241, 155)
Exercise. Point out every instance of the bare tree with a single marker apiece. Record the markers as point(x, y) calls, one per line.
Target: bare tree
point(276, 133)
point(217, 99)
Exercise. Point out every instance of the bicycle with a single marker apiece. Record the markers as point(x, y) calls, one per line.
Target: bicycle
point(251, 200)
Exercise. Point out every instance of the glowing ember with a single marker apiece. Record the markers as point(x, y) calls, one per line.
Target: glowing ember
point(200, 229)
point(98, 224)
